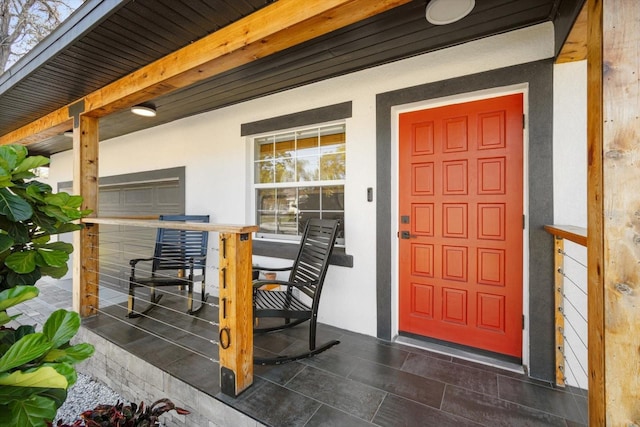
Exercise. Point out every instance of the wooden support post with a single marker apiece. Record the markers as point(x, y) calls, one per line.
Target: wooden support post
point(595, 206)
point(621, 200)
point(614, 218)
point(559, 298)
point(85, 184)
point(236, 313)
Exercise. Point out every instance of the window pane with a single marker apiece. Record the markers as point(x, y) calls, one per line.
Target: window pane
point(332, 166)
point(340, 217)
point(264, 148)
point(309, 199)
point(308, 143)
point(332, 139)
point(264, 172)
point(308, 168)
point(285, 158)
point(266, 214)
point(304, 217)
point(333, 198)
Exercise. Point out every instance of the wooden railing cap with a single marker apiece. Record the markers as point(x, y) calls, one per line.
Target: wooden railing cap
point(176, 225)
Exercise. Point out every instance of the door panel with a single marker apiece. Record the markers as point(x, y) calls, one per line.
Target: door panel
point(461, 201)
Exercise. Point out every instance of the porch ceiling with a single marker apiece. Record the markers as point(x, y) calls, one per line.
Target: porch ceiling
point(106, 40)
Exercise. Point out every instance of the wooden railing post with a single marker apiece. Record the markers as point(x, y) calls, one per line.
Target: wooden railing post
point(559, 309)
point(236, 313)
point(85, 184)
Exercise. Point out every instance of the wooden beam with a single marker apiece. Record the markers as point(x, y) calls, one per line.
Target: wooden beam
point(575, 47)
point(85, 184)
point(621, 200)
point(276, 27)
point(595, 206)
point(52, 124)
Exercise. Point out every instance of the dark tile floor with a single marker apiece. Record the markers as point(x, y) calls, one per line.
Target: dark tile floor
point(360, 382)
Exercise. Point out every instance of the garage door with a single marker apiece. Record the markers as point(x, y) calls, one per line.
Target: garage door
point(133, 196)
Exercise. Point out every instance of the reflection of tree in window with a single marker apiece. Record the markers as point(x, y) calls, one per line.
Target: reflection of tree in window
point(293, 167)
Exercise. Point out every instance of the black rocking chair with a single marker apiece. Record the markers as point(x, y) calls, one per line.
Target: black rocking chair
point(177, 254)
point(306, 277)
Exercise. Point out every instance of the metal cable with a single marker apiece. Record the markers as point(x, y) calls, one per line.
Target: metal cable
point(177, 295)
point(164, 307)
point(561, 271)
point(568, 344)
point(574, 307)
point(156, 335)
point(572, 258)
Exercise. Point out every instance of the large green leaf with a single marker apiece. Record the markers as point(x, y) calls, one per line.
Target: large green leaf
point(60, 246)
point(43, 377)
point(18, 231)
point(53, 258)
point(13, 296)
point(73, 354)
point(16, 279)
point(21, 262)
point(14, 207)
point(41, 187)
point(25, 350)
point(55, 272)
point(5, 318)
point(57, 199)
point(30, 163)
point(8, 157)
point(33, 412)
point(55, 212)
point(5, 242)
point(18, 176)
point(68, 227)
point(66, 370)
point(61, 326)
point(9, 393)
point(45, 222)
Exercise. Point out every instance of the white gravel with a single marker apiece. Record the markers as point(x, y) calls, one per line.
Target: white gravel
point(86, 393)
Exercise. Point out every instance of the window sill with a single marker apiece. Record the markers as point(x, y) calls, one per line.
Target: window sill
point(289, 251)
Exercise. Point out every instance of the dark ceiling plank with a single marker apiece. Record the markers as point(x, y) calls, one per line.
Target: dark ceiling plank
point(273, 28)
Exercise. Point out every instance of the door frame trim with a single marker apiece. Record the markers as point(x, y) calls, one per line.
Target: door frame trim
point(395, 194)
point(538, 76)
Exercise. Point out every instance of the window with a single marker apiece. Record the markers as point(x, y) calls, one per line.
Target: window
point(299, 175)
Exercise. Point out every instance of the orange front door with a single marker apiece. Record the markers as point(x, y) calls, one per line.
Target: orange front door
point(461, 223)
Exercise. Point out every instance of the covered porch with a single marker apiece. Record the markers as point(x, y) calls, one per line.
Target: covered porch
point(362, 381)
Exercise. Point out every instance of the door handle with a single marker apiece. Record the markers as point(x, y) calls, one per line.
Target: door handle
point(407, 235)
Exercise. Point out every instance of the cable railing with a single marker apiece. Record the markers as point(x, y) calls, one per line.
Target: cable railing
point(571, 298)
point(220, 332)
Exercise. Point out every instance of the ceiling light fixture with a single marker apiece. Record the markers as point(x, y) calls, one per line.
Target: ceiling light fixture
point(442, 12)
point(144, 110)
point(68, 134)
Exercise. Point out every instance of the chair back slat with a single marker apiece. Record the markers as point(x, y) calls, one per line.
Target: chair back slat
point(313, 257)
point(174, 249)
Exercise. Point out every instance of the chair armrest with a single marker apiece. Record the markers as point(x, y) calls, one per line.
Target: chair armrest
point(258, 283)
point(133, 262)
point(257, 267)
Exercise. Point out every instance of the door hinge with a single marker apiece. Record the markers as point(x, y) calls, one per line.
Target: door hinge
point(523, 322)
point(524, 121)
point(524, 222)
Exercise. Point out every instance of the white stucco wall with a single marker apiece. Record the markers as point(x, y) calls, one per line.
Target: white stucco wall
point(217, 157)
point(570, 205)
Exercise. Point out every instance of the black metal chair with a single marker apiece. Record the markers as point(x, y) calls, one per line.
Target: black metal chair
point(177, 254)
point(300, 300)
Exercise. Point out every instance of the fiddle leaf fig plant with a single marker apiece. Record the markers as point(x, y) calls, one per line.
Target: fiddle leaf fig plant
point(36, 368)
